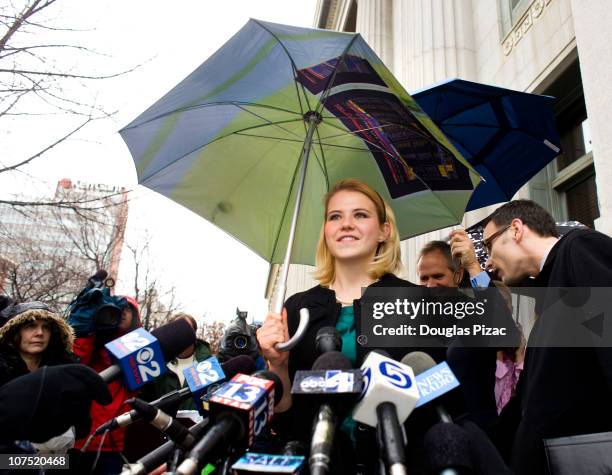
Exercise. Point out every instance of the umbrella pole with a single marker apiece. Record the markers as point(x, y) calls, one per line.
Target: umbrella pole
point(313, 119)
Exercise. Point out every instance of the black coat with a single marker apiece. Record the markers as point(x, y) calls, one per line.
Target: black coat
point(475, 366)
point(565, 391)
point(12, 365)
point(324, 312)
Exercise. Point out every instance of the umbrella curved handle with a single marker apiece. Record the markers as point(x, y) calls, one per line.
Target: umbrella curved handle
point(299, 333)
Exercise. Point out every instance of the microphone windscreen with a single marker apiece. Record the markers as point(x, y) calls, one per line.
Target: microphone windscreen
point(447, 446)
point(100, 275)
point(243, 364)
point(174, 337)
point(278, 384)
point(146, 410)
point(328, 339)
point(382, 352)
point(484, 453)
point(328, 331)
point(294, 447)
point(331, 360)
point(419, 361)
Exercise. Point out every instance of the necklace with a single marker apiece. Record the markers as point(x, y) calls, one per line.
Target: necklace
point(343, 302)
point(331, 287)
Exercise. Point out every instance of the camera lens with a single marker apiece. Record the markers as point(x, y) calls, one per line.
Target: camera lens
point(107, 315)
point(240, 342)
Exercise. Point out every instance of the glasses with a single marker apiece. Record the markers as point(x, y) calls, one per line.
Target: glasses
point(488, 243)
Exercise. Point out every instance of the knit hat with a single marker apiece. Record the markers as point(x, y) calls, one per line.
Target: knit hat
point(18, 315)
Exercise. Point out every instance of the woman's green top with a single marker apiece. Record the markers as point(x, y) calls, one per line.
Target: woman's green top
point(346, 328)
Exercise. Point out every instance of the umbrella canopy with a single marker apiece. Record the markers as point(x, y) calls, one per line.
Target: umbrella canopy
point(507, 136)
point(230, 141)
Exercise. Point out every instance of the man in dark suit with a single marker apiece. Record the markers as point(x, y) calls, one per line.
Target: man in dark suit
point(454, 265)
point(563, 390)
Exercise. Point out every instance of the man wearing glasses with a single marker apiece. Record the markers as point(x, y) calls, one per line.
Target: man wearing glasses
point(563, 391)
point(441, 264)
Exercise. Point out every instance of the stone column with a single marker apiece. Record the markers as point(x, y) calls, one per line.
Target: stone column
point(592, 20)
point(433, 41)
point(375, 23)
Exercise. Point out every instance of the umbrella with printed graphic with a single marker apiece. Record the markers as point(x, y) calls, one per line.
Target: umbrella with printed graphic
point(255, 136)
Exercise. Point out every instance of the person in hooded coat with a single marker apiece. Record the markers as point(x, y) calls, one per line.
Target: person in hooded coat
point(33, 337)
point(104, 450)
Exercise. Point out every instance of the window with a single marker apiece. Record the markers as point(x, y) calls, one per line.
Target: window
point(582, 201)
point(511, 12)
point(566, 187)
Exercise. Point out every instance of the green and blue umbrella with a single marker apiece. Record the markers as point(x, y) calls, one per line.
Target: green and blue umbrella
point(256, 135)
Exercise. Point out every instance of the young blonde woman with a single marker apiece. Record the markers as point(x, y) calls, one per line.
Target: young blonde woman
point(358, 247)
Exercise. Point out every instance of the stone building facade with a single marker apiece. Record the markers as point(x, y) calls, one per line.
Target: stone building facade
point(558, 47)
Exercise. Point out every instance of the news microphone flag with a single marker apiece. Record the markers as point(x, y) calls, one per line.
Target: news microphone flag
point(252, 462)
point(386, 380)
point(327, 382)
point(139, 356)
point(435, 382)
point(201, 375)
point(251, 399)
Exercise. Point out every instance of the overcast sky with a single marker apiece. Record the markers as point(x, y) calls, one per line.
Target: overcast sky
point(212, 272)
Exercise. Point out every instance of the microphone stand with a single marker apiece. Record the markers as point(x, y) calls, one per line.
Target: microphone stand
point(177, 456)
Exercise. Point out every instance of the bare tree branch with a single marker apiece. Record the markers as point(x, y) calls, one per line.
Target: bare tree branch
point(47, 148)
point(35, 78)
point(48, 253)
point(156, 303)
point(30, 10)
point(25, 72)
point(10, 50)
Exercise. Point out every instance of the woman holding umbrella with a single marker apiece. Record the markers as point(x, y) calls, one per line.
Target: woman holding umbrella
point(358, 247)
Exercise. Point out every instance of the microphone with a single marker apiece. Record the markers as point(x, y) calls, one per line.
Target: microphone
point(334, 384)
point(129, 417)
point(290, 462)
point(97, 279)
point(328, 339)
point(202, 382)
point(166, 424)
point(241, 409)
point(447, 450)
point(271, 376)
point(202, 375)
point(331, 375)
point(141, 356)
point(241, 364)
point(390, 395)
point(155, 458)
point(433, 380)
point(484, 455)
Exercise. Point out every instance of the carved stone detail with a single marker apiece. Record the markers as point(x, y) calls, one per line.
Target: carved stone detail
point(518, 32)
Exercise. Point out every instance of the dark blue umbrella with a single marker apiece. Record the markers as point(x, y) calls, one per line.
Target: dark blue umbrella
point(507, 136)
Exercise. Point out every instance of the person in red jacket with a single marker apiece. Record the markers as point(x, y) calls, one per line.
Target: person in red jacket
point(90, 349)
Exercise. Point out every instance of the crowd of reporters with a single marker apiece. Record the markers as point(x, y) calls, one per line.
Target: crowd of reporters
point(61, 388)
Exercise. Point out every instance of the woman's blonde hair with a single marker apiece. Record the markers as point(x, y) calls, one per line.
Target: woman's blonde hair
point(388, 256)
